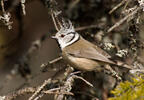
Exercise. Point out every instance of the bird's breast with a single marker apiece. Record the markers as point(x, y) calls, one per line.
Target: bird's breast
point(82, 63)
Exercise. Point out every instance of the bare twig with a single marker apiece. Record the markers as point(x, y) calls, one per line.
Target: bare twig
point(54, 14)
point(2, 6)
point(12, 96)
point(6, 16)
point(88, 83)
point(55, 91)
point(110, 71)
point(29, 90)
point(67, 87)
point(124, 19)
point(39, 96)
point(86, 27)
point(23, 6)
point(55, 60)
point(40, 89)
point(51, 91)
point(54, 21)
point(68, 84)
point(48, 64)
point(117, 6)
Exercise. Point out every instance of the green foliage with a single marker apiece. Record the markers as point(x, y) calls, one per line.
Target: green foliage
point(127, 90)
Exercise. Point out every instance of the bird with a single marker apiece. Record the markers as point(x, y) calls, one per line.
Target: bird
point(80, 53)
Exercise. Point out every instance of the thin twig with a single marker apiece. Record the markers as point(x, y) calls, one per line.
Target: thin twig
point(124, 19)
point(83, 80)
point(48, 64)
point(2, 6)
point(23, 6)
point(68, 84)
point(29, 90)
point(55, 60)
point(67, 87)
point(12, 96)
point(54, 21)
point(6, 16)
point(39, 96)
point(50, 91)
point(86, 27)
point(117, 6)
point(56, 13)
point(56, 91)
point(39, 89)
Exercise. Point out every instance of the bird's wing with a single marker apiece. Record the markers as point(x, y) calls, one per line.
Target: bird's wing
point(90, 51)
point(85, 49)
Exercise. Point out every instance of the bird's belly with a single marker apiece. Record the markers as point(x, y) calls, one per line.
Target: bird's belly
point(84, 63)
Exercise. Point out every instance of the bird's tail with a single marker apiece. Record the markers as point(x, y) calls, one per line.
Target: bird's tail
point(124, 65)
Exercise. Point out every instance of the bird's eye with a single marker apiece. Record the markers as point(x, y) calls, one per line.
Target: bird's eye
point(62, 35)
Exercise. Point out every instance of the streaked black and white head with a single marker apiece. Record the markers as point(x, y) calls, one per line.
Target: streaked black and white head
point(66, 35)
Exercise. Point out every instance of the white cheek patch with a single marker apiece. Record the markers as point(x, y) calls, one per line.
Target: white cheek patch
point(68, 40)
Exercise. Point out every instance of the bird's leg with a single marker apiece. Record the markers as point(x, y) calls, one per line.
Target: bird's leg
point(110, 71)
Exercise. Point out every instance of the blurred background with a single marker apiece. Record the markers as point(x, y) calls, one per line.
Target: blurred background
point(35, 24)
point(25, 47)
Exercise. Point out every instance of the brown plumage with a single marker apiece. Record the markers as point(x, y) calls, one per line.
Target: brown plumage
point(86, 56)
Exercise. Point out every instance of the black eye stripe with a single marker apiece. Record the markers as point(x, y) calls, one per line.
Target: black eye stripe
point(72, 37)
point(71, 33)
